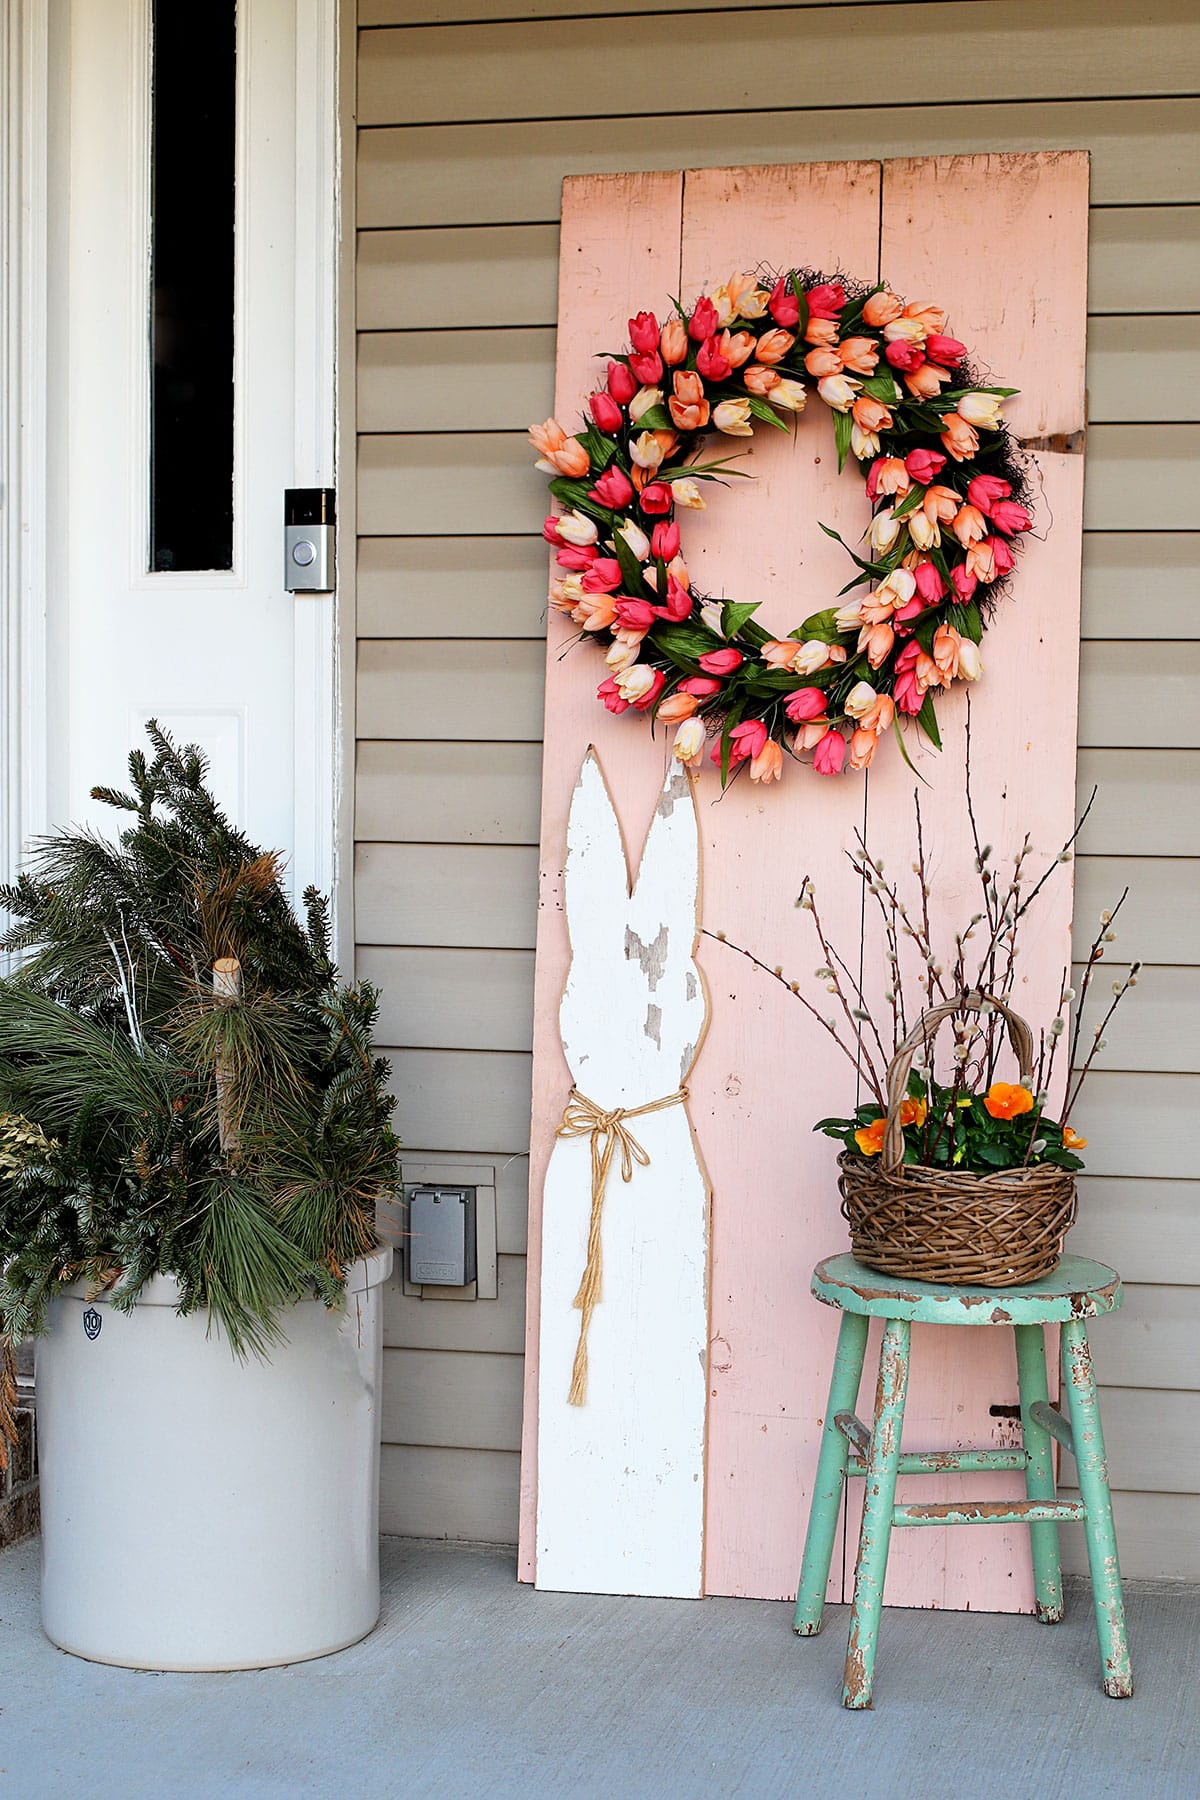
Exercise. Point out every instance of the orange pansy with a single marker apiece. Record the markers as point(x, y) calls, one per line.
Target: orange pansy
point(870, 1138)
point(1072, 1140)
point(1005, 1100)
point(912, 1112)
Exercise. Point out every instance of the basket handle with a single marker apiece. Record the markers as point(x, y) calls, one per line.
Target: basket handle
point(900, 1067)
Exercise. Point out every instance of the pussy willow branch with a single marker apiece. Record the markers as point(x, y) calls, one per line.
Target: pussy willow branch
point(1098, 1040)
point(793, 989)
point(1094, 958)
point(832, 959)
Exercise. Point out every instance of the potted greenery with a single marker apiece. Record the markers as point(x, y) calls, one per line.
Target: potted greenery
point(951, 1174)
point(194, 1139)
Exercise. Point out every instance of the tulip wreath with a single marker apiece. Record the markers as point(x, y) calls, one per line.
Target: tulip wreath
point(942, 476)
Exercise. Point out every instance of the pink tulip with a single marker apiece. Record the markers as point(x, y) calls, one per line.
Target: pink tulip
point(550, 529)
point(604, 576)
point(862, 748)
point(614, 489)
point(710, 363)
point(647, 367)
point(745, 740)
point(826, 300)
point(705, 321)
point(768, 764)
point(721, 662)
point(830, 754)
point(643, 332)
point(964, 583)
point(905, 356)
point(903, 618)
point(677, 707)
point(656, 498)
point(805, 704)
point(859, 354)
point(909, 695)
point(1002, 556)
point(1010, 516)
point(783, 305)
point(924, 465)
point(944, 350)
point(606, 412)
point(639, 615)
point(678, 604)
point(622, 383)
point(664, 541)
point(701, 686)
point(607, 691)
point(673, 345)
point(576, 556)
point(930, 585)
point(984, 490)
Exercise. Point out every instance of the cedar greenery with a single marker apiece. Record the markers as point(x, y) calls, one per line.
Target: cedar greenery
point(149, 1126)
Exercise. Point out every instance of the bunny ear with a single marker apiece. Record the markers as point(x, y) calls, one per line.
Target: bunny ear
point(596, 875)
point(668, 877)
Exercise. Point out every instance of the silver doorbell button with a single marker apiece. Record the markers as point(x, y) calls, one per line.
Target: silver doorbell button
point(309, 523)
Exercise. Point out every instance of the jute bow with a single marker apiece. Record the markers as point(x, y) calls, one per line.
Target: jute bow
point(607, 1130)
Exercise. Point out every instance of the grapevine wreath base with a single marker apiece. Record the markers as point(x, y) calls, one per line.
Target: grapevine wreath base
point(946, 491)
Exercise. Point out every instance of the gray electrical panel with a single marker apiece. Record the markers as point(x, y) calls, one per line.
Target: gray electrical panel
point(441, 1236)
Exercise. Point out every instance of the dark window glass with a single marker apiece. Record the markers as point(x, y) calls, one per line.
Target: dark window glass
point(192, 246)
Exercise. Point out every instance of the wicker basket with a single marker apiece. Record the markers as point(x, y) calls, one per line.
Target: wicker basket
point(949, 1225)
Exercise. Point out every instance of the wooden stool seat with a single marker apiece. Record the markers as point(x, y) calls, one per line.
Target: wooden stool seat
point(1076, 1291)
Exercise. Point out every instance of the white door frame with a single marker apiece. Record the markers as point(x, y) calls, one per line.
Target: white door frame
point(24, 78)
point(32, 794)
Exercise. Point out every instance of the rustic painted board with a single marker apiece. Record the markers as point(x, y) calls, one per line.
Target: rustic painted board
point(620, 1475)
point(763, 1075)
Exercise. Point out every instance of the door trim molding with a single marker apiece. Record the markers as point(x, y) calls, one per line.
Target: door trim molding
point(24, 365)
point(318, 681)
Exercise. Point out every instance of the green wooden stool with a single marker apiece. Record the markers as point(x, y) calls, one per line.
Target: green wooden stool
point(1077, 1291)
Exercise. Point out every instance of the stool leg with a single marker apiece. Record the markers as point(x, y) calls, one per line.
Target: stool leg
point(879, 1498)
point(831, 1475)
point(1092, 1469)
point(1039, 1475)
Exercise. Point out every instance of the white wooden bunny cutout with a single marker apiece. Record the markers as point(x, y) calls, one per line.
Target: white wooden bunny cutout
point(622, 1366)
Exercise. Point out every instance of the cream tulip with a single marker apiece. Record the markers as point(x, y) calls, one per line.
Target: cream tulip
point(688, 747)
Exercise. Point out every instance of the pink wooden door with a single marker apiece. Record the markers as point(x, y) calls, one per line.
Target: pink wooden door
point(1001, 242)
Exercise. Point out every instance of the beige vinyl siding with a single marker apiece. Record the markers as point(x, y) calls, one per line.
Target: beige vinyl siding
point(470, 116)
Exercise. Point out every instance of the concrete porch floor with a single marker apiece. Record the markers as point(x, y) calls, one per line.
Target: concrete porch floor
point(473, 1685)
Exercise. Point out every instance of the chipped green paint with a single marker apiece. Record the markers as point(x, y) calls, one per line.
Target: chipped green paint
point(1077, 1290)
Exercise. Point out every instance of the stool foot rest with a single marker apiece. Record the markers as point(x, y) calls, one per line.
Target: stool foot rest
point(928, 1462)
point(991, 1512)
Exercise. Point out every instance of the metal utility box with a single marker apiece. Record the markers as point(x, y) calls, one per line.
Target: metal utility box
point(441, 1236)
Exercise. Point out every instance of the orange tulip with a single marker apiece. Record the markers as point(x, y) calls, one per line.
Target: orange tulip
point(931, 319)
point(821, 331)
point(773, 346)
point(870, 415)
point(968, 526)
point(862, 748)
point(1006, 1100)
point(823, 361)
point(673, 342)
point(941, 503)
point(768, 764)
point(882, 308)
point(859, 354)
point(959, 439)
point(927, 381)
point(737, 347)
point(760, 381)
point(880, 716)
point(877, 641)
point(870, 1138)
point(676, 708)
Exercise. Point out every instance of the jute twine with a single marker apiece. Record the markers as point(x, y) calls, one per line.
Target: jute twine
point(607, 1130)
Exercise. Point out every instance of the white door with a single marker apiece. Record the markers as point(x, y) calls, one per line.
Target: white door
point(192, 266)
